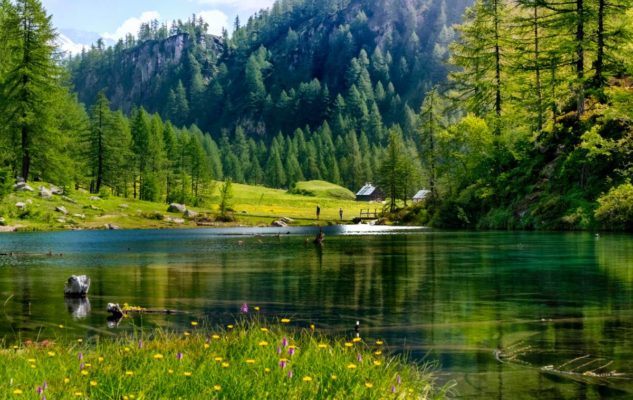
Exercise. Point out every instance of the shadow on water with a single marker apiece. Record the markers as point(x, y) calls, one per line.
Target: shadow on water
point(502, 313)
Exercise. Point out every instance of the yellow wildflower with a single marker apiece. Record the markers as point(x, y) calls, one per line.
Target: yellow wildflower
point(230, 326)
point(285, 320)
point(100, 359)
point(377, 363)
point(217, 388)
point(93, 383)
point(307, 379)
point(266, 370)
point(80, 340)
point(369, 385)
point(349, 344)
point(78, 394)
point(61, 326)
point(377, 352)
point(127, 349)
point(215, 337)
point(256, 308)
point(356, 340)
point(312, 326)
point(194, 323)
point(351, 366)
point(17, 392)
point(206, 345)
point(225, 365)
point(129, 373)
point(263, 343)
point(158, 356)
point(263, 329)
point(379, 342)
point(322, 346)
point(187, 374)
point(187, 333)
point(88, 365)
point(31, 360)
point(32, 365)
point(334, 377)
point(170, 371)
point(66, 380)
point(84, 372)
point(126, 398)
point(250, 361)
point(51, 354)
point(218, 359)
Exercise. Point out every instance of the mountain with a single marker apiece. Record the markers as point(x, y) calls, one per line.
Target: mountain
point(301, 62)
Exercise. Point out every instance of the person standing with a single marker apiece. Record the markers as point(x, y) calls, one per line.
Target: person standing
point(340, 213)
point(318, 212)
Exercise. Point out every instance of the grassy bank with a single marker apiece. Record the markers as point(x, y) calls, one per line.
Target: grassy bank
point(252, 206)
point(248, 361)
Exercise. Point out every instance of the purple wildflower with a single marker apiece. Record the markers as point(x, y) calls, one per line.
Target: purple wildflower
point(244, 308)
point(82, 366)
point(80, 356)
point(284, 342)
point(393, 389)
point(39, 390)
point(45, 385)
point(290, 374)
point(359, 357)
point(43, 397)
point(398, 379)
point(140, 344)
point(283, 363)
point(278, 350)
point(179, 356)
point(291, 351)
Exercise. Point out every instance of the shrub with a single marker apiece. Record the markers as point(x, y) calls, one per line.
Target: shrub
point(615, 209)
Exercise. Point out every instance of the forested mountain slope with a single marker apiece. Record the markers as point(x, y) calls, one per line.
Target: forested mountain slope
point(300, 63)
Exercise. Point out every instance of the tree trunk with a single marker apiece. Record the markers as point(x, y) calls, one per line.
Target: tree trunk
point(537, 68)
point(598, 80)
point(580, 56)
point(497, 67)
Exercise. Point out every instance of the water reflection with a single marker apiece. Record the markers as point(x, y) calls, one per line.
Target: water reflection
point(459, 298)
point(78, 307)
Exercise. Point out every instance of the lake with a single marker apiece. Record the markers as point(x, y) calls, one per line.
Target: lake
point(504, 315)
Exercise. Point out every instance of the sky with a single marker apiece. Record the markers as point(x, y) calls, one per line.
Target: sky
point(81, 22)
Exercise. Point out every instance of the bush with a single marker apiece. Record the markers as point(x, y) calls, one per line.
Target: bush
point(615, 209)
point(6, 182)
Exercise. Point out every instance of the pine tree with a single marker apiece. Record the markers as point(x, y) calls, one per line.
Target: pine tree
point(31, 79)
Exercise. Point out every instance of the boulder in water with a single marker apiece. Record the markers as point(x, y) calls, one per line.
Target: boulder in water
point(77, 286)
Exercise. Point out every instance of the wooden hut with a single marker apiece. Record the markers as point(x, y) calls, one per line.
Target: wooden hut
point(421, 196)
point(370, 192)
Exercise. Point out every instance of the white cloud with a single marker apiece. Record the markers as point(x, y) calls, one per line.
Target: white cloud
point(131, 25)
point(216, 20)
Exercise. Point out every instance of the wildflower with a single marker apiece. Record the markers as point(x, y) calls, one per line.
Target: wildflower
point(285, 320)
point(66, 380)
point(244, 308)
point(225, 365)
point(158, 356)
point(348, 344)
point(263, 329)
point(284, 342)
point(357, 340)
point(312, 327)
point(17, 392)
point(39, 390)
point(51, 354)
point(256, 308)
point(44, 385)
point(229, 326)
point(218, 359)
point(322, 346)
point(100, 359)
point(379, 342)
point(129, 373)
point(170, 371)
point(78, 394)
point(290, 374)
point(393, 389)
point(140, 344)
point(179, 356)
point(351, 366)
point(217, 388)
point(278, 350)
point(369, 385)
point(187, 374)
point(307, 379)
point(377, 363)
point(194, 323)
point(16, 347)
point(61, 326)
point(31, 360)
point(334, 377)
point(80, 356)
point(82, 366)
point(250, 361)
point(93, 383)
point(291, 350)
point(263, 343)
point(84, 372)
point(283, 363)
point(398, 379)
point(377, 352)
point(88, 365)
point(187, 333)
point(216, 337)
point(80, 340)
point(266, 370)
point(206, 345)
point(127, 349)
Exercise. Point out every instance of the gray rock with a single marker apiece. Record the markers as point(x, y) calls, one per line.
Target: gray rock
point(29, 201)
point(123, 206)
point(56, 190)
point(77, 286)
point(3, 222)
point(178, 221)
point(112, 227)
point(20, 205)
point(23, 187)
point(45, 193)
point(61, 220)
point(94, 198)
point(61, 209)
point(280, 224)
point(80, 216)
point(189, 214)
point(287, 220)
point(93, 207)
point(176, 208)
point(68, 199)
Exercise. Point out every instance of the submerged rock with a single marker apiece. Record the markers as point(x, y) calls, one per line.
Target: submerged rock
point(77, 286)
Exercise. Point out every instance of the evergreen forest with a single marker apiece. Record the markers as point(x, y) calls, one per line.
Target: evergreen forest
point(514, 114)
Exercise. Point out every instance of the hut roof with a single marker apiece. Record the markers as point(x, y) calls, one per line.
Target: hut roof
point(422, 194)
point(366, 190)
